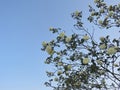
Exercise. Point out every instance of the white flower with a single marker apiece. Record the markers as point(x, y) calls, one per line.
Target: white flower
point(85, 37)
point(62, 35)
point(85, 61)
point(111, 50)
point(44, 44)
point(102, 46)
point(68, 39)
point(49, 50)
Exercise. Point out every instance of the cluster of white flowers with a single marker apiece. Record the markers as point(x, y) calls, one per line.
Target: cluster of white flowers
point(48, 47)
point(85, 61)
point(111, 50)
point(86, 37)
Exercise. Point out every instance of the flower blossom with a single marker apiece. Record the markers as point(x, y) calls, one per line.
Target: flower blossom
point(100, 21)
point(102, 46)
point(102, 39)
point(51, 28)
point(68, 39)
point(85, 61)
point(44, 44)
point(62, 35)
point(49, 50)
point(69, 67)
point(56, 79)
point(59, 72)
point(86, 37)
point(77, 13)
point(111, 50)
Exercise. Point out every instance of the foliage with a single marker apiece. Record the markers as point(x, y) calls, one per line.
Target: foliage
point(80, 62)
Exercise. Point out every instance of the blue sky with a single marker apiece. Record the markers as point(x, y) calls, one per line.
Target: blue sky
point(24, 25)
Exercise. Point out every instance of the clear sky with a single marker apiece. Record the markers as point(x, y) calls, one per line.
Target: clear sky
point(24, 25)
